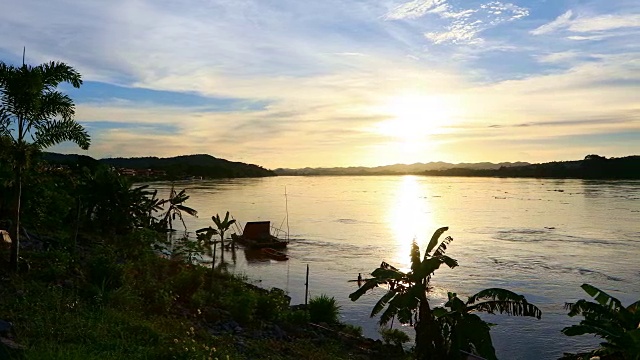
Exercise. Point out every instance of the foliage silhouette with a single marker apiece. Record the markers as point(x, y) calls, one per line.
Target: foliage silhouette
point(324, 309)
point(609, 319)
point(175, 208)
point(466, 331)
point(406, 298)
point(442, 332)
point(31, 108)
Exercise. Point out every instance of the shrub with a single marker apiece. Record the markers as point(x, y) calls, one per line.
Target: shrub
point(105, 272)
point(271, 306)
point(296, 317)
point(324, 309)
point(393, 336)
point(353, 330)
point(186, 282)
point(51, 265)
point(241, 305)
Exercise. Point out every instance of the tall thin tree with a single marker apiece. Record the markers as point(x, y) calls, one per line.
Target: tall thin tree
point(36, 115)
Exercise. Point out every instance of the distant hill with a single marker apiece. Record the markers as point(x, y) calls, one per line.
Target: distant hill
point(177, 167)
point(396, 169)
point(591, 167)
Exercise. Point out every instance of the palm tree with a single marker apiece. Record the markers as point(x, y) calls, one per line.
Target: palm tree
point(406, 298)
point(465, 331)
point(35, 115)
point(609, 319)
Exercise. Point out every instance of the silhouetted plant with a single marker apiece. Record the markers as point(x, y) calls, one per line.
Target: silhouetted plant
point(205, 235)
point(406, 298)
point(466, 331)
point(176, 207)
point(111, 204)
point(393, 336)
point(324, 309)
point(31, 107)
point(353, 330)
point(440, 332)
point(608, 319)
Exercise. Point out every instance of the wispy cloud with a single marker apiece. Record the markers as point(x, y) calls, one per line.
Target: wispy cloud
point(416, 9)
point(595, 25)
point(464, 24)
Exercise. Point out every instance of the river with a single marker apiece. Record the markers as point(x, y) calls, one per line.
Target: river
point(542, 238)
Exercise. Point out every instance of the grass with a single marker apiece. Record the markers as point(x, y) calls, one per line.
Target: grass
point(98, 306)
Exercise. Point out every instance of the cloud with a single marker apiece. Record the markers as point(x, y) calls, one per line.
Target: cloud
point(589, 24)
point(458, 32)
point(464, 25)
point(307, 80)
point(559, 57)
point(417, 8)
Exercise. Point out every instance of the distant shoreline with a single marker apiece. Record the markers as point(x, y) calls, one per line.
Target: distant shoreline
point(593, 167)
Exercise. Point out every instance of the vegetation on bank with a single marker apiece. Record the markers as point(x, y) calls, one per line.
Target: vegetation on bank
point(592, 167)
point(171, 168)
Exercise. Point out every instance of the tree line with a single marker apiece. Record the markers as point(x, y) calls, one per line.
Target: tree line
point(591, 167)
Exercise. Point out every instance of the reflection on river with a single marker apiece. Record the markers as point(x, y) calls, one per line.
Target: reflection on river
point(540, 238)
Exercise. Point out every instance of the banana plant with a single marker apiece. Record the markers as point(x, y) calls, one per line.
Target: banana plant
point(176, 207)
point(223, 226)
point(406, 298)
point(465, 331)
point(608, 319)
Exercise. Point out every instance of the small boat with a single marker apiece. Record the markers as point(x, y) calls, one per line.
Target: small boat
point(257, 235)
point(274, 254)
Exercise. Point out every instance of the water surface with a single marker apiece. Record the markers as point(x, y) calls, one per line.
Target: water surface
point(540, 238)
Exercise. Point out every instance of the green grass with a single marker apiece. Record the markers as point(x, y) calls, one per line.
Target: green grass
point(97, 307)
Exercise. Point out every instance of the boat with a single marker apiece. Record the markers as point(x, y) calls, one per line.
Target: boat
point(275, 254)
point(257, 235)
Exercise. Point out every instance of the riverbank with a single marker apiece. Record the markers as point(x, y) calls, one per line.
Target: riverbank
point(114, 299)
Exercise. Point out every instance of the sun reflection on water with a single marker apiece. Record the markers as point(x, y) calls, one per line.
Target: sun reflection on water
point(410, 217)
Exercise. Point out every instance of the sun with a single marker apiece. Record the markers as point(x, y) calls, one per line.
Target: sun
point(415, 117)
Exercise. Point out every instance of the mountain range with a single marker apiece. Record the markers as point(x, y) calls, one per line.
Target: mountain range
point(416, 168)
point(177, 167)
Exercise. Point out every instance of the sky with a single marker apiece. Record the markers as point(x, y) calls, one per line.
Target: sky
point(293, 83)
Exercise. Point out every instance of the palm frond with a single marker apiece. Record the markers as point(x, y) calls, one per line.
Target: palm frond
point(55, 132)
point(434, 240)
point(368, 285)
point(415, 255)
point(504, 302)
point(602, 297)
point(187, 209)
point(509, 307)
point(53, 104)
point(443, 246)
point(427, 267)
point(387, 274)
point(582, 329)
point(382, 302)
point(54, 73)
point(495, 294)
point(388, 314)
point(450, 262)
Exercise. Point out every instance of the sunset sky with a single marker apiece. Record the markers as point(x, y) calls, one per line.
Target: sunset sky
point(295, 83)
